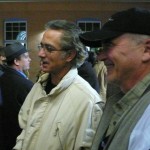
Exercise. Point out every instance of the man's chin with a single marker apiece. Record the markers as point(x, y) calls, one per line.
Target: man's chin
point(44, 70)
point(110, 77)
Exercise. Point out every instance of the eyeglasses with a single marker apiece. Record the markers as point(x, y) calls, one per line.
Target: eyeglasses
point(47, 47)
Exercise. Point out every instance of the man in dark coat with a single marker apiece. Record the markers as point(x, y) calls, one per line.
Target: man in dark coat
point(87, 72)
point(2, 60)
point(14, 88)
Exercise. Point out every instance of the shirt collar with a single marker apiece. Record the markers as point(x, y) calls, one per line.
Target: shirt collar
point(132, 96)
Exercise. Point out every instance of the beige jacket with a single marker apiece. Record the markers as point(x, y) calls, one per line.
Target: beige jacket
point(65, 119)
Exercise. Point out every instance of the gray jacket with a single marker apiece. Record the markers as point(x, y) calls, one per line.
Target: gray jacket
point(128, 108)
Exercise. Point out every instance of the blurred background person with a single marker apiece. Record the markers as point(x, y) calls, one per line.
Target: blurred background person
point(14, 88)
point(2, 60)
point(87, 72)
point(101, 72)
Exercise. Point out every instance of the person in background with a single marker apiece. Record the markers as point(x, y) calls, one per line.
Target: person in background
point(92, 57)
point(62, 111)
point(87, 72)
point(14, 89)
point(2, 55)
point(125, 38)
point(2, 66)
point(101, 72)
point(2, 60)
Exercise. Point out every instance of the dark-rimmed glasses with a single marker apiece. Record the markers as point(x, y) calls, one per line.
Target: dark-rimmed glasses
point(47, 47)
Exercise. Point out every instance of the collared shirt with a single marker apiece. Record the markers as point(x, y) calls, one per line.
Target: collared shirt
point(140, 136)
point(23, 74)
point(127, 102)
point(123, 107)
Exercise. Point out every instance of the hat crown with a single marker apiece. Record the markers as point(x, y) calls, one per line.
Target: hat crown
point(14, 50)
point(133, 20)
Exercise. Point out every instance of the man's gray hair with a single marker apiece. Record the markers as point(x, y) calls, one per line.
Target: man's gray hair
point(70, 39)
point(138, 38)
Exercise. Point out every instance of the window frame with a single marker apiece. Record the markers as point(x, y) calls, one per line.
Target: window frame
point(13, 21)
point(89, 21)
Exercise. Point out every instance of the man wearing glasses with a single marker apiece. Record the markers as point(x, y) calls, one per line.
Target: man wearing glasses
point(125, 39)
point(62, 111)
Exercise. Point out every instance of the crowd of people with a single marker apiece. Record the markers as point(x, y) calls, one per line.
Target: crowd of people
point(82, 100)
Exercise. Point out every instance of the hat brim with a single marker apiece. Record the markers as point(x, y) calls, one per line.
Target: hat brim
point(16, 54)
point(95, 38)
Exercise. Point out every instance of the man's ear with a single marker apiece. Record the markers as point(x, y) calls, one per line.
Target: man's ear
point(146, 54)
point(71, 55)
point(16, 62)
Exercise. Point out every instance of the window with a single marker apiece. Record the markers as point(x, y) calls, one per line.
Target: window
point(15, 30)
point(89, 24)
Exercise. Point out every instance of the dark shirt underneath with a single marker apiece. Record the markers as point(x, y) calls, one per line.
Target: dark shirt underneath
point(49, 85)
